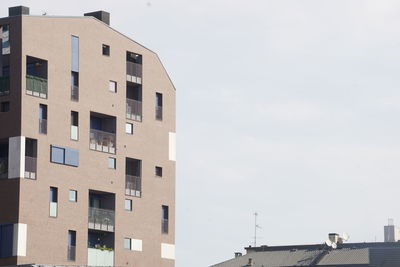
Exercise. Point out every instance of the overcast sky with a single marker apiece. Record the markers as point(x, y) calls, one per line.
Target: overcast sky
point(288, 108)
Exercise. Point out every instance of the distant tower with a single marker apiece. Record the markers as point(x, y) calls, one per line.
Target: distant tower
point(392, 232)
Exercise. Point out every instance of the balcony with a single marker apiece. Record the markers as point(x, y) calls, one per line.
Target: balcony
point(102, 141)
point(133, 186)
point(159, 113)
point(4, 85)
point(101, 219)
point(134, 109)
point(164, 226)
point(100, 257)
point(74, 93)
point(71, 253)
point(30, 167)
point(4, 168)
point(134, 72)
point(36, 86)
point(43, 126)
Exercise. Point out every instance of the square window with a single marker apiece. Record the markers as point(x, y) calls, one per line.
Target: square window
point(128, 204)
point(57, 154)
point(158, 171)
point(113, 86)
point(129, 128)
point(5, 107)
point(73, 196)
point(112, 163)
point(106, 50)
point(127, 243)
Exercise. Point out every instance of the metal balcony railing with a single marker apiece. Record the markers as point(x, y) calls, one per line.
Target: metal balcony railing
point(43, 126)
point(101, 219)
point(71, 253)
point(159, 113)
point(74, 93)
point(3, 168)
point(133, 109)
point(4, 85)
point(133, 185)
point(36, 86)
point(30, 167)
point(164, 226)
point(102, 141)
point(134, 69)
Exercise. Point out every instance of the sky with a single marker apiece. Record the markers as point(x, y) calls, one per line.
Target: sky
point(285, 107)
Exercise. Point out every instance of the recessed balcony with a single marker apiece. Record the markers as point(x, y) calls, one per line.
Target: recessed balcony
point(36, 77)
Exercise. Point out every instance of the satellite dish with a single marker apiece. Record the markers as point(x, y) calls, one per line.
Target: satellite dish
point(345, 236)
point(334, 246)
point(328, 243)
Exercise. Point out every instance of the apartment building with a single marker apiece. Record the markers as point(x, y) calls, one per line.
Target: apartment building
point(87, 145)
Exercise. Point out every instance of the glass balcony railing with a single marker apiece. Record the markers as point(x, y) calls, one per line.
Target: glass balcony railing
point(164, 226)
point(134, 109)
point(4, 168)
point(159, 113)
point(134, 72)
point(71, 253)
point(43, 126)
point(36, 86)
point(74, 93)
point(30, 167)
point(101, 219)
point(102, 141)
point(133, 185)
point(4, 85)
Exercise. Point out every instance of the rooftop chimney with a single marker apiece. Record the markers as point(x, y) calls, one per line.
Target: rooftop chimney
point(100, 15)
point(238, 254)
point(18, 11)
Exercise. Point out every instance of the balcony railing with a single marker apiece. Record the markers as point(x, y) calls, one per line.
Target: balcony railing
point(74, 93)
point(4, 85)
point(134, 109)
point(134, 72)
point(102, 141)
point(43, 126)
point(30, 167)
point(133, 186)
point(159, 113)
point(36, 86)
point(101, 219)
point(71, 253)
point(3, 168)
point(164, 226)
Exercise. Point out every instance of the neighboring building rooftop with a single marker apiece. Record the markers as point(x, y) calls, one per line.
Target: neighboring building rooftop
point(349, 255)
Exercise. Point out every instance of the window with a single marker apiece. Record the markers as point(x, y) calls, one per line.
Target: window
point(5, 106)
point(164, 219)
point(129, 128)
point(127, 243)
point(128, 204)
point(112, 163)
point(112, 86)
point(74, 68)
point(75, 53)
point(36, 77)
point(71, 245)
point(6, 240)
point(42, 119)
point(158, 171)
point(159, 105)
point(73, 195)
point(53, 201)
point(64, 155)
point(74, 125)
point(106, 50)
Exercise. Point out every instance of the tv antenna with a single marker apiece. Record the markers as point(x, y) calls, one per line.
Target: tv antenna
point(256, 226)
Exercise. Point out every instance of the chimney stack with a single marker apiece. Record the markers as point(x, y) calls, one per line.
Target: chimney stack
point(100, 15)
point(18, 11)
